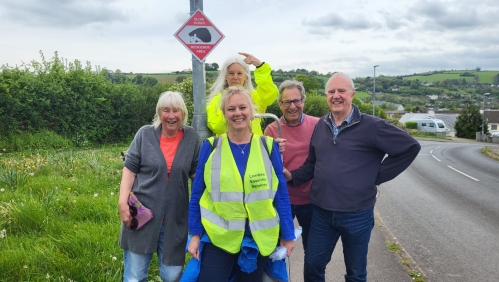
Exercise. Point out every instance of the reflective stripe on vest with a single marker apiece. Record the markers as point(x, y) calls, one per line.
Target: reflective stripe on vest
point(218, 220)
point(228, 206)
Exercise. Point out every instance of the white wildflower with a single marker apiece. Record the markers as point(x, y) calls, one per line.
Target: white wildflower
point(48, 276)
point(112, 193)
point(114, 258)
point(25, 266)
point(2, 190)
point(96, 195)
point(2, 233)
point(31, 174)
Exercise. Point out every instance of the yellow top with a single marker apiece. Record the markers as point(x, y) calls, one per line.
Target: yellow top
point(263, 96)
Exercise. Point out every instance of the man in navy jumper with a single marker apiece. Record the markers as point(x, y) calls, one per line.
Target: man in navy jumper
point(347, 161)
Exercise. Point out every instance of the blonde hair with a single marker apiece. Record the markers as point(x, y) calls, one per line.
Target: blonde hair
point(231, 91)
point(170, 99)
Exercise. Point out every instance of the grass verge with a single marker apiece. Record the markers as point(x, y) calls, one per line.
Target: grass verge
point(58, 216)
point(393, 245)
point(490, 152)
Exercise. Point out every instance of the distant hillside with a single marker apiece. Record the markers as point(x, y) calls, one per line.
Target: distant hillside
point(450, 89)
point(468, 75)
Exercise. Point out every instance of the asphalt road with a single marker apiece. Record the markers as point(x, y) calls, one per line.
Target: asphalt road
point(444, 211)
point(382, 265)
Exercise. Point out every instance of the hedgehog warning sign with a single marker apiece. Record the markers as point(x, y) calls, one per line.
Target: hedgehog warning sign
point(199, 35)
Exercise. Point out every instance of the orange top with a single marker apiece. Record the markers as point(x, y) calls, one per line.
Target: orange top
point(169, 148)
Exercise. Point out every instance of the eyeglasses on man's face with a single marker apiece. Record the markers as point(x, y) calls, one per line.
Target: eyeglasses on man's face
point(287, 103)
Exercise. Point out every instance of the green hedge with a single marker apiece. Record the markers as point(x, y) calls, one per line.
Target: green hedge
point(74, 102)
point(411, 125)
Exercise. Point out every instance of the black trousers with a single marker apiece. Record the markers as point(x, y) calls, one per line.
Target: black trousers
point(218, 265)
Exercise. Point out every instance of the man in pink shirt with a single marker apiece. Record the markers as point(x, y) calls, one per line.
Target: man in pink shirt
point(296, 129)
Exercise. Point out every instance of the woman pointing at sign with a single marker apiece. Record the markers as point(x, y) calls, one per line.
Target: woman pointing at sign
point(235, 72)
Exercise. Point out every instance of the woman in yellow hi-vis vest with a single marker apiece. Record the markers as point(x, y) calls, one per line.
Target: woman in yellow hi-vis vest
point(239, 196)
point(235, 72)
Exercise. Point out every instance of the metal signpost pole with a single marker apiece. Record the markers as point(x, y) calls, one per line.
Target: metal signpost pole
point(199, 119)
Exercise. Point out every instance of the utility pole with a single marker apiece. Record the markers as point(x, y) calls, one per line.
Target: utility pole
point(483, 116)
point(199, 119)
point(374, 88)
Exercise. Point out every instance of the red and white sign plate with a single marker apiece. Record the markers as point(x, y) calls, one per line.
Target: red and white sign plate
point(199, 35)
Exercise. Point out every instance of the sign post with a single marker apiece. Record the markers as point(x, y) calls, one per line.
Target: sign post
point(200, 37)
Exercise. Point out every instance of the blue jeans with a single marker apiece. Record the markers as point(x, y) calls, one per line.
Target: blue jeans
point(327, 227)
point(137, 265)
point(303, 214)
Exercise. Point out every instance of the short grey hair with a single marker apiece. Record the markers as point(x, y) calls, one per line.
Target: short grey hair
point(290, 84)
point(352, 85)
point(170, 99)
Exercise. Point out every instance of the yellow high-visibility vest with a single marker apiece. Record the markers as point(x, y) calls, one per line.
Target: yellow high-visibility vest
point(229, 201)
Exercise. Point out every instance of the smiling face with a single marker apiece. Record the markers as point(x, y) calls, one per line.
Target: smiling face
point(238, 112)
point(236, 76)
point(291, 105)
point(339, 95)
point(171, 119)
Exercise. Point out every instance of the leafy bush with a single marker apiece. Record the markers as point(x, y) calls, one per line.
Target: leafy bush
point(72, 101)
point(411, 124)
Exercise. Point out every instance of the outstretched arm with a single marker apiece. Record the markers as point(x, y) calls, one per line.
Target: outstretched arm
point(266, 91)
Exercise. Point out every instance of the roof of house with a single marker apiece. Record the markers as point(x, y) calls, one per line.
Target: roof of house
point(491, 116)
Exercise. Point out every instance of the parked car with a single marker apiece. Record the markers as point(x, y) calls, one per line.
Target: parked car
point(494, 134)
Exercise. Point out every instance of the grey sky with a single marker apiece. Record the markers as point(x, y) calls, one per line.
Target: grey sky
point(402, 36)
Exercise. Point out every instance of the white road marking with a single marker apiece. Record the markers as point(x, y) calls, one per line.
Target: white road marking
point(431, 152)
point(436, 158)
point(462, 173)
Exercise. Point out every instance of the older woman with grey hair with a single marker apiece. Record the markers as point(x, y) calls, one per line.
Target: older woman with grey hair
point(236, 72)
point(161, 158)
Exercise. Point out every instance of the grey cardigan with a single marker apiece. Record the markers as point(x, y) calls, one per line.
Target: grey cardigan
point(167, 198)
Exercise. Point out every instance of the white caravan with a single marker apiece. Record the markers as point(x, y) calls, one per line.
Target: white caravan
point(431, 125)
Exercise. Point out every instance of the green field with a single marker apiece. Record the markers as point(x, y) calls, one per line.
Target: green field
point(483, 76)
point(169, 77)
point(161, 77)
point(362, 94)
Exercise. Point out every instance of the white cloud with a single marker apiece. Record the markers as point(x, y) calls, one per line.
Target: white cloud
point(401, 36)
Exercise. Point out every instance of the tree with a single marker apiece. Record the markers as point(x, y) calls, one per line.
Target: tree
point(211, 67)
point(149, 80)
point(310, 83)
point(468, 122)
point(496, 79)
point(180, 78)
point(137, 79)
